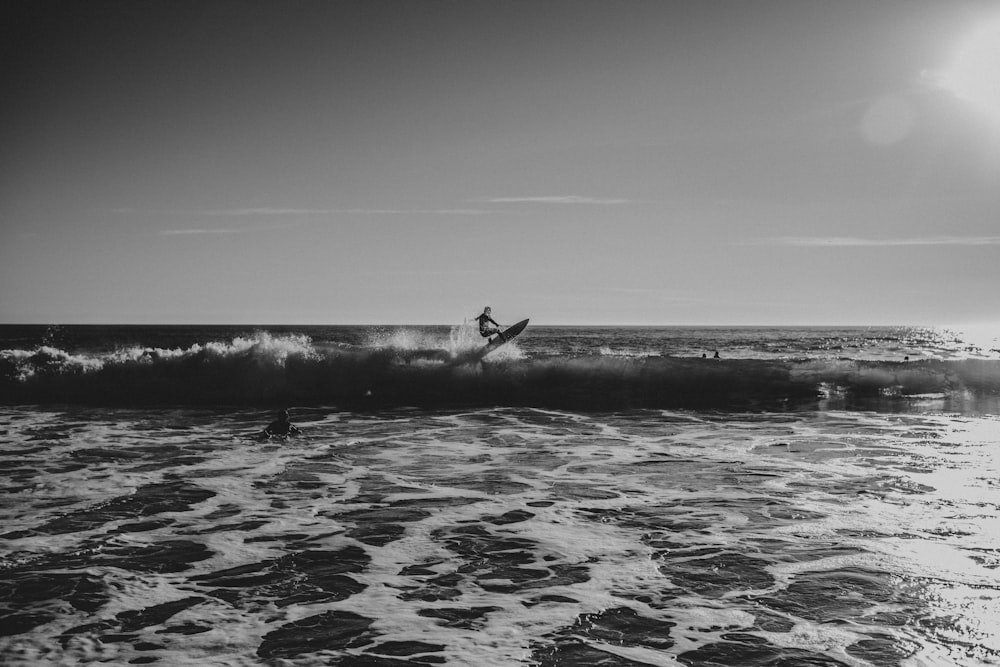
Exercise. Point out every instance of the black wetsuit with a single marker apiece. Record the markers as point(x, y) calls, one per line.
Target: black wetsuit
point(279, 427)
point(484, 330)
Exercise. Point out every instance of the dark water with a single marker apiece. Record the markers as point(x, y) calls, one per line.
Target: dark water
point(431, 367)
point(578, 497)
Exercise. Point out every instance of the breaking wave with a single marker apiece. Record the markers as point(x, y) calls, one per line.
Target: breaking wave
point(266, 369)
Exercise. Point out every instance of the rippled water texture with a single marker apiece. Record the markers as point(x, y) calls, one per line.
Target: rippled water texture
point(499, 536)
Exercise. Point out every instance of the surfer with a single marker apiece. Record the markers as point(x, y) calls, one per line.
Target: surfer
point(485, 330)
point(281, 426)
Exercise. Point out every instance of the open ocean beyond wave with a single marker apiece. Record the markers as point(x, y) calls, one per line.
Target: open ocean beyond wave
point(581, 496)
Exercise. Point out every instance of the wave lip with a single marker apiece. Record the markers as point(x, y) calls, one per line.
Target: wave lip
point(228, 372)
point(266, 369)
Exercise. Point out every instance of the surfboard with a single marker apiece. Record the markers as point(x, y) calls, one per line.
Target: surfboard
point(507, 334)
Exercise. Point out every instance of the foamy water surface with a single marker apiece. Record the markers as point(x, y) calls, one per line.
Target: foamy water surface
point(499, 536)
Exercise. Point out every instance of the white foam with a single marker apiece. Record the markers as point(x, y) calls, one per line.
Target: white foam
point(628, 499)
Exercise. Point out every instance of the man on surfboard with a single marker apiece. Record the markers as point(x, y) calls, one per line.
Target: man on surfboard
point(485, 330)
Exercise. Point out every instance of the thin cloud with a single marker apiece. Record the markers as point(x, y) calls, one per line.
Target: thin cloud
point(432, 211)
point(342, 211)
point(856, 242)
point(571, 199)
point(194, 232)
point(246, 212)
point(295, 212)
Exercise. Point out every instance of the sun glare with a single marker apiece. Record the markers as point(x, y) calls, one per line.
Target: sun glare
point(979, 339)
point(974, 74)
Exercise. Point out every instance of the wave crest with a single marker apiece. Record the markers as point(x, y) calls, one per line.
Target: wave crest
point(266, 369)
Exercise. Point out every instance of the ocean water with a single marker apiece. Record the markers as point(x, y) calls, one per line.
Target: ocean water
point(580, 496)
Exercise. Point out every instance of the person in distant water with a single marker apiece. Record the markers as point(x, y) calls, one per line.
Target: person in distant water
point(281, 426)
point(485, 320)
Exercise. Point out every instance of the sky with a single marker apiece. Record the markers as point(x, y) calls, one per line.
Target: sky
point(709, 162)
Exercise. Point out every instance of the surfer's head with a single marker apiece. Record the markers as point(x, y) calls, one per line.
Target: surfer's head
point(283, 415)
point(487, 310)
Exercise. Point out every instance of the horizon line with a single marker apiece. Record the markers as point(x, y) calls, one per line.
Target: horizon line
point(757, 325)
